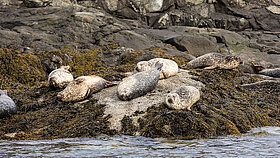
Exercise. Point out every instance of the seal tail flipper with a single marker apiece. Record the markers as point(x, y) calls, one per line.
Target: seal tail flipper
point(110, 84)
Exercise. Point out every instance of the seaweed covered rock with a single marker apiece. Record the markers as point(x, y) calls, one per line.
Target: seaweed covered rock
point(223, 109)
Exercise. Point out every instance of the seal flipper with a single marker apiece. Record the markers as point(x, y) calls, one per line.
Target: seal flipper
point(89, 93)
point(210, 67)
point(109, 84)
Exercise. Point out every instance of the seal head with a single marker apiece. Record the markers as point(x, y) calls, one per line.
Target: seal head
point(139, 84)
point(182, 97)
point(169, 68)
point(59, 78)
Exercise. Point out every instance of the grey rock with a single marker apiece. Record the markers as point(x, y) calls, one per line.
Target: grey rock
point(117, 109)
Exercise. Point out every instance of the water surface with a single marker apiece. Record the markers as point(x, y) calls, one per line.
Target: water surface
point(251, 145)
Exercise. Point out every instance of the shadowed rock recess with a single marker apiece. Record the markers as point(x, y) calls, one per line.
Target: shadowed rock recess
point(108, 37)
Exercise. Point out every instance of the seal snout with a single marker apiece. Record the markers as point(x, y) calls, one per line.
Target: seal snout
point(170, 101)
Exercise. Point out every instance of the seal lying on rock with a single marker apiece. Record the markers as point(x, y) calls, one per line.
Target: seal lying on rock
point(83, 87)
point(139, 84)
point(59, 78)
point(7, 105)
point(214, 60)
point(266, 85)
point(169, 68)
point(271, 72)
point(182, 97)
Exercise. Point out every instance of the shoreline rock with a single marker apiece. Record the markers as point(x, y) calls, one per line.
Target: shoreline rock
point(95, 41)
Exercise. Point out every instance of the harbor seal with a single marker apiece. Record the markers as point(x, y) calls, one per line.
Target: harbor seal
point(214, 60)
point(59, 78)
point(271, 72)
point(139, 84)
point(82, 88)
point(7, 105)
point(182, 97)
point(265, 85)
point(169, 68)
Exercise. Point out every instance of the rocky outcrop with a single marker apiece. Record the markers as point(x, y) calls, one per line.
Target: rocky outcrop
point(107, 38)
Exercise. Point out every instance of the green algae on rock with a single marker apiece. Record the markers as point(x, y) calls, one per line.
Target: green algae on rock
point(225, 108)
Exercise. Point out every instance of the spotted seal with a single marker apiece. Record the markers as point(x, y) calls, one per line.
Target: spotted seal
point(83, 87)
point(169, 68)
point(59, 78)
point(7, 105)
point(182, 97)
point(214, 60)
point(270, 72)
point(265, 85)
point(139, 84)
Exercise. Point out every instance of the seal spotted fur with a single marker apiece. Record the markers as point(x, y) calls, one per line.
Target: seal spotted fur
point(214, 60)
point(83, 87)
point(182, 97)
point(139, 84)
point(7, 105)
point(169, 68)
point(59, 78)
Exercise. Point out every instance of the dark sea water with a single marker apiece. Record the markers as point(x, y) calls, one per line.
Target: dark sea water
point(266, 144)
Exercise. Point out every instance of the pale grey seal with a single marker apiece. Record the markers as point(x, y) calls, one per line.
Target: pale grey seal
point(7, 105)
point(59, 78)
point(169, 68)
point(271, 72)
point(265, 85)
point(182, 97)
point(83, 87)
point(214, 60)
point(139, 84)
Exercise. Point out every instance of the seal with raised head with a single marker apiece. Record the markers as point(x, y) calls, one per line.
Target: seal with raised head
point(169, 68)
point(182, 97)
point(214, 60)
point(139, 84)
point(265, 85)
point(271, 72)
point(59, 78)
point(7, 105)
point(83, 87)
